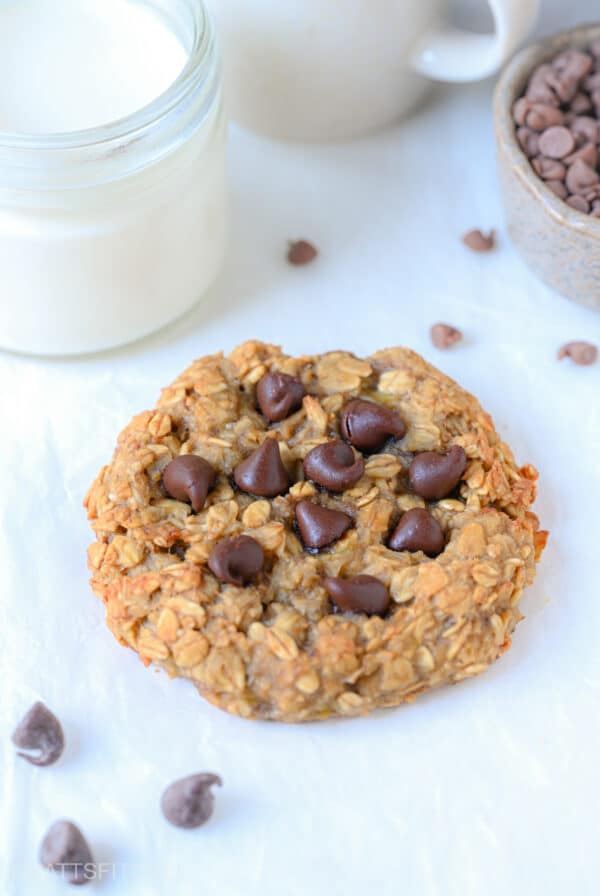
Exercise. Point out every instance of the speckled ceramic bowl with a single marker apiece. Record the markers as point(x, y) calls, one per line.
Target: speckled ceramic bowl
point(561, 245)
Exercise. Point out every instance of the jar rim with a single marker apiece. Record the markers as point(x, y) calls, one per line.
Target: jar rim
point(127, 127)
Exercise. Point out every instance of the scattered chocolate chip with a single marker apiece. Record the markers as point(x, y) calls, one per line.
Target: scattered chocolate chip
point(236, 560)
point(582, 353)
point(263, 473)
point(189, 478)
point(361, 594)
point(367, 425)
point(301, 252)
point(189, 802)
point(434, 475)
point(279, 395)
point(444, 336)
point(478, 241)
point(418, 530)
point(333, 465)
point(64, 849)
point(320, 526)
point(39, 731)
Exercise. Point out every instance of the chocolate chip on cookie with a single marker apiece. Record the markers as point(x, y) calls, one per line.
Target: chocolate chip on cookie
point(40, 734)
point(190, 802)
point(279, 395)
point(418, 531)
point(236, 560)
point(433, 475)
point(360, 594)
point(367, 425)
point(263, 472)
point(334, 466)
point(320, 526)
point(189, 478)
point(65, 850)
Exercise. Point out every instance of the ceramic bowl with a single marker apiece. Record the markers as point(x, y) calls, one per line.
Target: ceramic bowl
point(561, 245)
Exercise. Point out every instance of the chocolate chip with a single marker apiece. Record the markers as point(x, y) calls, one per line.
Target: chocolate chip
point(434, 475)
point(263, 473)
point(579, 203)
point(586, 127)
point(189, 478)
point(443, 335)
point(580, 177)
point(236, 560)
point(367, 425)
point(334, 466)
point(361, 594)
point(549, 169)
point(521, 109)
point(39, 731)
point(574, 62)
point(557, 142)
point(64, 849)
point(581, 104)
point(582, 353)
point(588, 153)
point(418, 531)
point(558, 188)
point(529, 141)
point(564, 84)
point(189, 802)
point(540, 117)
point(478, 241)
point(592, 84)
point(301, 252)
point(593, 193)
point(320, 526)
point(279, 395)
point(539, 90)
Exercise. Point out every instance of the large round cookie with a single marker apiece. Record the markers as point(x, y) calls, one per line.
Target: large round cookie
point(300, 638)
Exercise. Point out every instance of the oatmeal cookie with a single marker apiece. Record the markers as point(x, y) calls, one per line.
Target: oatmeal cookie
point(314, 536)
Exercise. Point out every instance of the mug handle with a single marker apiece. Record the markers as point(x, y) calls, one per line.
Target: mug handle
point(446, 53)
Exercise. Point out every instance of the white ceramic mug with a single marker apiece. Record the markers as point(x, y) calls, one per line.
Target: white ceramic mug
point(333, 69)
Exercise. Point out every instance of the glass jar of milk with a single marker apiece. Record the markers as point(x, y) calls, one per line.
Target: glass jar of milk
point(112, 169)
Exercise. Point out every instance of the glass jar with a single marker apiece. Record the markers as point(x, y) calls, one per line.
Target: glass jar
point(109, 233)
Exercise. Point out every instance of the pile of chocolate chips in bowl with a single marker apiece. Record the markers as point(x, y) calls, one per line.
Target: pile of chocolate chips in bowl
point(558, 126)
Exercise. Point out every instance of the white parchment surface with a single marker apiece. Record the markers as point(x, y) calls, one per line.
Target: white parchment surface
point(491, 787)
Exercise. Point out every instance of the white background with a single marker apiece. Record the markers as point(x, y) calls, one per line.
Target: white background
point(491, 787)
